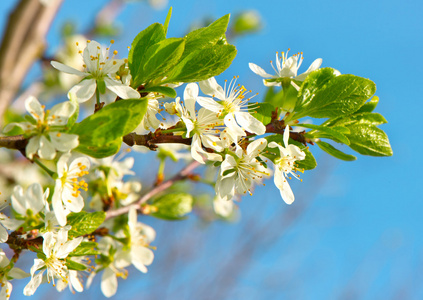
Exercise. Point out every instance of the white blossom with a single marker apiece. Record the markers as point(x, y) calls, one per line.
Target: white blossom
point(241, 170)
point(233, 107)
point(285, 166)
point(6, 274)
point(31, 202)
point(45, 131)
point(67, 188)
point(56, 247)
point(286, 68)
point(100, 69)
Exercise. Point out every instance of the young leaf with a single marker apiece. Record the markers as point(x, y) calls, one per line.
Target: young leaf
point(166, 23)
point(100, 151)
point(84, 223)
point(314, 82)
point(262, 112)
point(328, 148)
point(173, 206)
point(165, 90)
point(160, 57)
point(361, 118)
point(332, 132)
point(369, 106)
point(72, 265)
point(207, 36)
point(341, 95)
point(146, 38)
point(369, 140)
point(202, 64)
point(85, 248)
point(110, 123)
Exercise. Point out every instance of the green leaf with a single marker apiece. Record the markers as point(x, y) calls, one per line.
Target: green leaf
point(328, 148)
point(166, 23)
point(72, 265)
point(84, 223)
point(107, 126)
point(165, 90)
point(341, 95)
point(308, 163)
point(173, 206)
point(160, 57)
point(262, 112)
point(369, 140)
point(314, 82)
point(101, 151)
point(85, 248)
point(207, 36)
point(362, 118)
point(369, 106)
point(202, 64)
point(146, 38)
point(332, 132)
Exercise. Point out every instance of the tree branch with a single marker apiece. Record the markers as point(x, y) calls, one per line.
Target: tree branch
point(185, 173)
point(23, 43)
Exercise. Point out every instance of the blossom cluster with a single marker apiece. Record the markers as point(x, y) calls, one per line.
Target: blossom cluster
point(223, 133)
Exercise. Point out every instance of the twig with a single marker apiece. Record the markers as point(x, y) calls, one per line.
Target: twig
point(23, 43)
point(185, 173)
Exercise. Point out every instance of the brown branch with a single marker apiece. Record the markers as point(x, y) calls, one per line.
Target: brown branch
point(184, 174)
point(23, 43)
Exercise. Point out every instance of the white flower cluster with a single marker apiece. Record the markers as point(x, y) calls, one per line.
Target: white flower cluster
point(220, 127)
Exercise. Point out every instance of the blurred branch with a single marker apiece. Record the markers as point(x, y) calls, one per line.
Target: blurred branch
point(23, 43)
point(185, 173)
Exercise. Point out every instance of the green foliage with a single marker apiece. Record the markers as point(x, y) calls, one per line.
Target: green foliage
point(324, 95)
point(85, 248)
point(308, 163)
point(164, 90)
point(334, 133)
point(100, 134)
point(166, 23)
point(160, 58)
point(72, 265)
point(84, 223)
point(145, 39)
point(328, 148)
point(369, 140)
point(262, 112)
point(203, 53)
point(203, 63)
point(173, 206)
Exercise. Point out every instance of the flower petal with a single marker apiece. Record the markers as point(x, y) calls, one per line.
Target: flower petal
point(34, 107)
point(259, 71)
point(64, 68)
point(83, 91)
point(109, 282)
point(123, 91)
point(212, 88)
point(249, 123)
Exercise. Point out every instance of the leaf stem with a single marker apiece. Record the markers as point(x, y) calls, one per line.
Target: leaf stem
point(47, 170)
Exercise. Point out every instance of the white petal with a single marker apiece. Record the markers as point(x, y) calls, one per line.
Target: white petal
point(109, 282)
point(18, 200)
point(196, 149)
point(249, 123)
point(34, 107)
point(6, 290)
point(3, 234)
point(212, 88)
point(64, 142)
point(62, 112)
point(58, 208)
point(34, 198)
point(67, 69)
point(259, 71)
point(286, 193)
point(46, 150)
point(234, 130)
point(191, 91)
point(314, 66)
point(32, 286)
point(77, 285)
point(123, 91)
point(83, 91)
point(68, 247)
point(210, 104)
point(286, 136)
point(254, 148)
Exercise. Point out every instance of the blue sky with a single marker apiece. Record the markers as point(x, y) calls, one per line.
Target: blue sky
point(359, 227)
